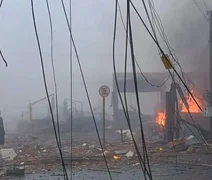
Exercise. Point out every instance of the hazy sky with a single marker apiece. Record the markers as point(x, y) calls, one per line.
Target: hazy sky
point(93, 22)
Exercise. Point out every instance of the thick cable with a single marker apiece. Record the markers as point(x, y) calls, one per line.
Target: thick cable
point(46, 88)
point(71, 87)
point(1, 2)
point(142, 74)
point(143, 167)
point(163, 54)
point(86, 89)
point(53, 71)
point(137, 96)
point(201, 11)
point(2, 56)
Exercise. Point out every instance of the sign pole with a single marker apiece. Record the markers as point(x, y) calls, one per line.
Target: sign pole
point(103, 118)
point(104, 91)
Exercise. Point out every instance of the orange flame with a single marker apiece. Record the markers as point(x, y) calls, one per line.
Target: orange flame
point(116, 157)
point(161, 118)
point(193, 108)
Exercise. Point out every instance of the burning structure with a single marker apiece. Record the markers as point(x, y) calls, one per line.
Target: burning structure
point(144, 86)
point(173, 110)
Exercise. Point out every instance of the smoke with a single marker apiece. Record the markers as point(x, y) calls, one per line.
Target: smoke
point(188, 32)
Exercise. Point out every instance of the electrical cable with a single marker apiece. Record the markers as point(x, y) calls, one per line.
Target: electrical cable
point(71, 88)
point(125, 71)
point(206, 7)
point(2, 56)
point(53, 71)
point(136, 93)
point(205, 16)
point(1, 2)
point(86, 89)
point(168, 45)
point(159, 25)
point(198, 129)
point(173, 78)
point(54, 78)
point(153, 85)
point(153, 30)
point(143, 167)
point(46, 88)
point(125, 64)
point(163, 54)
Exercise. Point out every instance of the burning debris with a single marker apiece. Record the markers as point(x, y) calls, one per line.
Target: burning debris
point(193, 108)
point(161, 118)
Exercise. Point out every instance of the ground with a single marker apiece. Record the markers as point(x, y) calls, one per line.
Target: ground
point(39, 156)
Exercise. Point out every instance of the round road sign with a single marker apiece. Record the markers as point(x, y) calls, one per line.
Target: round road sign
point(104, 91)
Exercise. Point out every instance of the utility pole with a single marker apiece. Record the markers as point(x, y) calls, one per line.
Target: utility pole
point(210, 70)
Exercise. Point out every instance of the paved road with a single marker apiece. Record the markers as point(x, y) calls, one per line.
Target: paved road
point(160, 172)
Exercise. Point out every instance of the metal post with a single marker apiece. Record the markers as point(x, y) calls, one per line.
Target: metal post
point(168, 126)
point(103, 118)
point(210, 70)
point(30, 117)
point(122, 139)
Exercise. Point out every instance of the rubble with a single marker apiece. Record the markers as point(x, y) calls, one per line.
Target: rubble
point(41, 156)
point(130, 154)
point(191, 140)
point(16, 170)
point(8, 154)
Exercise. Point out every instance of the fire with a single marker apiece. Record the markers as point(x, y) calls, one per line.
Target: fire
point(161, 118)
point(192, 105)
point(116, 157)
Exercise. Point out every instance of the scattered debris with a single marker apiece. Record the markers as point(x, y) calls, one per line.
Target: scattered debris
point(18, 170)
point(120, 152)
point(130, 154)
point(176, 142)
point(190, 140)
point(8, 154)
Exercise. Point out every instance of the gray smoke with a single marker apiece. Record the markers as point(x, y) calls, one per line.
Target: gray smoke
point(189, 34)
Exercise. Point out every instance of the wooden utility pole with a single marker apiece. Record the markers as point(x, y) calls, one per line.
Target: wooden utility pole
point(210, 70)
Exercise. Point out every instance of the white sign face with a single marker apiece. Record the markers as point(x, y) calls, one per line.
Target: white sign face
point(104, 91)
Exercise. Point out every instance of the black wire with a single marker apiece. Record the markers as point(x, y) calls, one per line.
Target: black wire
point(198, 129)
point(1, 54)
point(159, 25)
point(1, 2)
point(147, 13)
point(86, 90)
point(205, 16)
point(142, 74)
point(168, 45)
point(137, 96)
point(125, 64)
point(206, 7)
point(141, 162)
point(53, 71)
point(163, 54)
point(71, 89)
point(46, 88)
point(54, 77)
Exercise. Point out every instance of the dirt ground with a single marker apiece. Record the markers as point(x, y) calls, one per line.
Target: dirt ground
point(40, 158)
